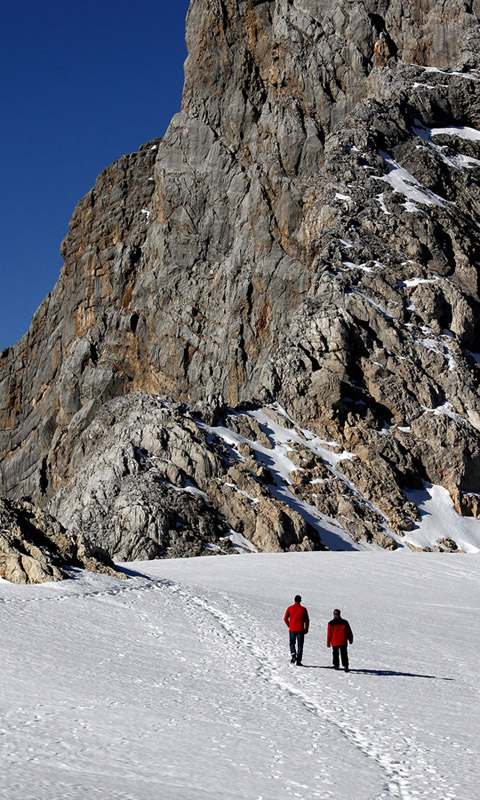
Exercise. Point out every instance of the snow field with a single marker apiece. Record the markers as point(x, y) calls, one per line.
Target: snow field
point(176, 684)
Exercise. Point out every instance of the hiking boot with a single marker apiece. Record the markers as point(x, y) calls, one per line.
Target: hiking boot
point(293, 658)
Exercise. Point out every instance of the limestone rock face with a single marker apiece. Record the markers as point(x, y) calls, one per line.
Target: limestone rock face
point(154, 482)
point(307, 233)
point(81, 348)
point(35, 548)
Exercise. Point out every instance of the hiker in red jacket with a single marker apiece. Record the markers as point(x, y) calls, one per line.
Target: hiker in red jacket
point(339, 634)
point(297, 621)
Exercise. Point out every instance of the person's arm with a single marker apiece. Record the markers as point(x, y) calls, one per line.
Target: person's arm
point(286, 618)
point(306, 622)
point(329, 635)
point(349, 633)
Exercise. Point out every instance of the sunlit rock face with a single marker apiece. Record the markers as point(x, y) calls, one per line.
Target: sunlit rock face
point(36, 548)
point(307, 234)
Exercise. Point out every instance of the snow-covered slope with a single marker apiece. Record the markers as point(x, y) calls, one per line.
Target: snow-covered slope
point(176, 684)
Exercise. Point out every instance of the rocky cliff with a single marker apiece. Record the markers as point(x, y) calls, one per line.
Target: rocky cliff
point(306, 236)
point(36, 548)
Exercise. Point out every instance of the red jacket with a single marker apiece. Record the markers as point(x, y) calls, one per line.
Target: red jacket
point(339, 632)
point(296, 617)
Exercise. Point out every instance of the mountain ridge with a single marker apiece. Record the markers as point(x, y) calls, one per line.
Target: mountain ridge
point(307, 232)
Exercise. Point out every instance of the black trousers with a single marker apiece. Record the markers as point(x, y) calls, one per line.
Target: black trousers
point(340, 650)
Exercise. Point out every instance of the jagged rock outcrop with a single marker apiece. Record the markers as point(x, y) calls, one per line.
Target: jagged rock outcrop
point(307, 232)
point(35, 547)
point(153, 482)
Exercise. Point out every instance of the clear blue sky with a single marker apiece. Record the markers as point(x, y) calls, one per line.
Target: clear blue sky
point(82, 83)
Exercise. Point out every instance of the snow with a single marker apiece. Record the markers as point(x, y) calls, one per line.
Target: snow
point(252, 500)
point(279, 434)
point(242, 544)
point(441, 348)
point(188, 488)
point(458, 161)
point(403, 182)
point(373, 303)
point(411, 282)
point(383, 206)
point(447, 410)
point(471, 76)
point(434, 86)
point(475, 356)
point(352, 265)
point(440, 520)
point(176, 684)
point(462, 131)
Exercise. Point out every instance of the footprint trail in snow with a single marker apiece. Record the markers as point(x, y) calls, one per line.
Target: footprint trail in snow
point(177, 684)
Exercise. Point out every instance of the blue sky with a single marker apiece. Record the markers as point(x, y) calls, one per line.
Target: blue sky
point(82, 84)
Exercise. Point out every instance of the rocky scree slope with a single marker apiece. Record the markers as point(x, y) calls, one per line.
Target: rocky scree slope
point(306, 233)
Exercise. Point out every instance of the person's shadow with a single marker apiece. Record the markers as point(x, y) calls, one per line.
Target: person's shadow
point(381, 672)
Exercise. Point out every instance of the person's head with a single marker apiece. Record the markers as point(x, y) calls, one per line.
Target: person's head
point(298, 599)
point(336, 612)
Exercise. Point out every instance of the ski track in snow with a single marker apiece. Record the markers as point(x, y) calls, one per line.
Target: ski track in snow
point(291, 702)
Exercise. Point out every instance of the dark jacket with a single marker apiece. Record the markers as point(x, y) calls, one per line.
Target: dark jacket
point(339, 632)
point(296, 617)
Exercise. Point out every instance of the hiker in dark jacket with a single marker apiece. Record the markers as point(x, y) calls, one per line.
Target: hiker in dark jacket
point(297, 621)
point(339, 635)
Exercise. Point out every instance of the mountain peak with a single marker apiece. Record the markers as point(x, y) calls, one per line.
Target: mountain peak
point(306, 234)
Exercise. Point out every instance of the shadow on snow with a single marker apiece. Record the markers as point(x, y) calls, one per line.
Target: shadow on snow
point(381, 672)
